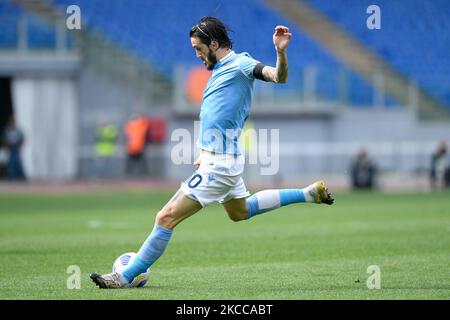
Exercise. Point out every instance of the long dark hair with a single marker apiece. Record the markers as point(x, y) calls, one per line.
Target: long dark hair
point(209, 29)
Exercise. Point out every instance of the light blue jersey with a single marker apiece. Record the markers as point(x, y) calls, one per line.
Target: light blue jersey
point(226, 103)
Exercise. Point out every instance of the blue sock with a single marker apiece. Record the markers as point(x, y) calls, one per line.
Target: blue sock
point(268, 200)
point(151, 250)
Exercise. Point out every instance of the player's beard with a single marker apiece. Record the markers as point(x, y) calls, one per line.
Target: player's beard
point(210, 61)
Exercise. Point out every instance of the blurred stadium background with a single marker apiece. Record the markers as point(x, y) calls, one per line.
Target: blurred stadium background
point(350, 87)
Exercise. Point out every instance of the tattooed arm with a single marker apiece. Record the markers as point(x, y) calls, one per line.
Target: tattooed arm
point(279, 74)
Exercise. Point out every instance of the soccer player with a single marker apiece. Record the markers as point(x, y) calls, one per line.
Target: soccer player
point(225, 107)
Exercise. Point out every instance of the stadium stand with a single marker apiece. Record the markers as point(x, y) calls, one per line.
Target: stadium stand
point(414, 37)
point(8, 23)
point(40, 33)
point(153, 32)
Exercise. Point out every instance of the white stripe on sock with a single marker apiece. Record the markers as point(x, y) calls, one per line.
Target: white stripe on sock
point(308, 197)
point(268, 199)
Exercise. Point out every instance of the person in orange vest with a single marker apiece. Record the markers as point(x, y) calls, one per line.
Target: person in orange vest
point(136, 132)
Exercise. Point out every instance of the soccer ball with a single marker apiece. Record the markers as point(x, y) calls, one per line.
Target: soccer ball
point(122, 261)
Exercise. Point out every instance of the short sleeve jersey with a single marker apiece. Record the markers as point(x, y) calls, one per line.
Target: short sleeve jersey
point(226, 103)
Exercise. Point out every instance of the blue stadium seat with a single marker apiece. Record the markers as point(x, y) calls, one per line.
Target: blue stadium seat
point(40, 33)
point(157, 32)
point(8, 24)
point(414, 37)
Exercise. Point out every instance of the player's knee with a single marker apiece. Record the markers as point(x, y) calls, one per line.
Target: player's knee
point(165, 217)
point(237, 216)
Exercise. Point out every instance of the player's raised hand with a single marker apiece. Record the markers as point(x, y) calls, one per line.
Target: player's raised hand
point(281, 37)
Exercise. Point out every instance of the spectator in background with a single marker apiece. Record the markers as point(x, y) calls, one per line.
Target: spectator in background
point(440, 168)
point(363, 171)
point(13, 140)
point(3, 161)
point(447, 177)
point(136, 131)
point(105, 148)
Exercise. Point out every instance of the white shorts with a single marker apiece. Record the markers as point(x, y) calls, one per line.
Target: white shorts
point(218, 179)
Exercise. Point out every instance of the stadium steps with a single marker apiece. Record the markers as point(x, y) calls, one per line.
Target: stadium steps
point(358, 57)
point(42, 8)
point(112, 62)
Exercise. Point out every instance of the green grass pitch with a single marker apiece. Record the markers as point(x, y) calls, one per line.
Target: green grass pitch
point(302, 251)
